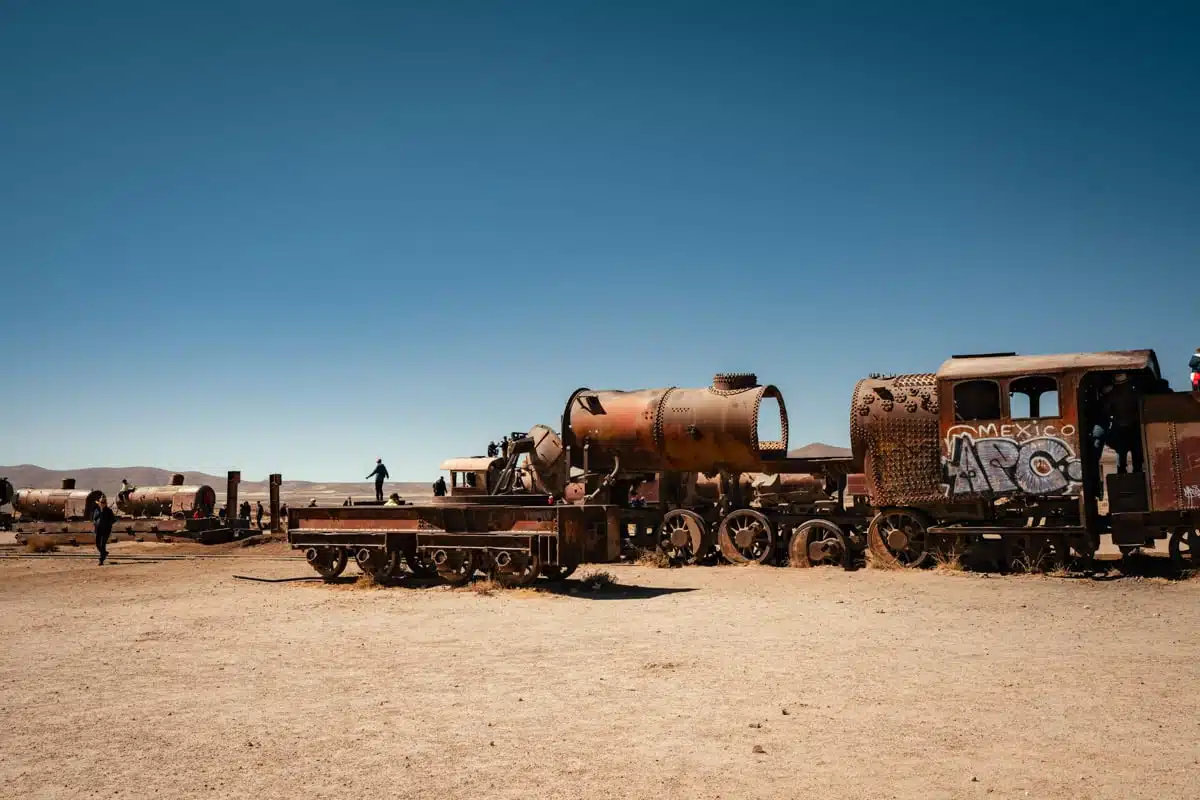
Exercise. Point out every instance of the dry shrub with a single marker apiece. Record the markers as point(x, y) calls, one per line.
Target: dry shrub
point(485, 587)
point(651, 557)
point(41, 544)
point(948, 562)
point(597, 580)
point(877, 562)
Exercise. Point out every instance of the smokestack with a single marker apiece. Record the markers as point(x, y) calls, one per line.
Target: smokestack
point(68, 483)
point(177, 479)
point(231, 496)
point(276, 480)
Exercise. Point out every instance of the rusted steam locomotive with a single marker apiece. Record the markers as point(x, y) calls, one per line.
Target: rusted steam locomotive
point(558, 501)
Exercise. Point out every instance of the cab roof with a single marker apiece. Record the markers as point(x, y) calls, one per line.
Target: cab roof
point(475, 464)
point(1003, 366)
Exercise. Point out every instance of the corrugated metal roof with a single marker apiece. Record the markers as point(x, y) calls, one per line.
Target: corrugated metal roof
point(1007, 366)
point(476, 464)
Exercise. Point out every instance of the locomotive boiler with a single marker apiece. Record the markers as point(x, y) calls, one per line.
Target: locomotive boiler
point(175, 500)
point(65, 504)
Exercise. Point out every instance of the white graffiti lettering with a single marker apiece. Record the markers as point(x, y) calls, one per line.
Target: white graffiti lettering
point(993, 467)
point(1192, 495)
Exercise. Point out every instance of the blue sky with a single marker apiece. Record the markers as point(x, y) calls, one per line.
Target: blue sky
point(294, 236)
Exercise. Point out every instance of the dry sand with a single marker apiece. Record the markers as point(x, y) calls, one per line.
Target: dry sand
point(173, 679)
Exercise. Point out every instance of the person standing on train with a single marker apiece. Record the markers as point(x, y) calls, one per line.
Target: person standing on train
point(102, 524)
point(1194, 366)
point(1124, 435)
point(380, 474)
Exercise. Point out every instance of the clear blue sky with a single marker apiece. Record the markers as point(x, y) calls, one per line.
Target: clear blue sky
point(293, 236)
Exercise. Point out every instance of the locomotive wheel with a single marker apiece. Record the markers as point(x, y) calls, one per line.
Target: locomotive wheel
point(897, 536)
point(747, 537)
point(683, 536)
point(328, 561)
point(380, 565)
point(1184, 548)
point(818, 542)
point(556, 573)
point(523, 576)
point(460, 570)
point(420, 567)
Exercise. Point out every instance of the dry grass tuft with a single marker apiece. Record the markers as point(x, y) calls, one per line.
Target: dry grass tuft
point(948, 562)
point(41, 544)
point(876, 562)
point(597, 580)
point(649, 557)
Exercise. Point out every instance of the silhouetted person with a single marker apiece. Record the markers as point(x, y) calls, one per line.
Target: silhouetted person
point(312, 503)
point(439, 486)
point(244, 511)
point(221, 513)
point(380, 474)
point(504, 447)
point(1194, 366)
point(492, 449)
point(1124, 436)
point(102, 523)
point(283, 515)
point(258, 514)
point(347, 502)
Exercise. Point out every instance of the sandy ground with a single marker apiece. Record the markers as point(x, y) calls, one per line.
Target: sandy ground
point(173, 679)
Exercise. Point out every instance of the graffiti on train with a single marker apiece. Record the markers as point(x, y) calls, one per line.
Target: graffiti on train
point(991, 466)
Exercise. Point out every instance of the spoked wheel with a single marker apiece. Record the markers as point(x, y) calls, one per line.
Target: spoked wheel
point(556, 572)
point(897, 536)
point(381, 565)
point(683, 536)
point(818, 542)
point(747, 537)
point(419, 566)
point(515, 573)
point(1185, 548)
point(457, 569)
point(328, 561)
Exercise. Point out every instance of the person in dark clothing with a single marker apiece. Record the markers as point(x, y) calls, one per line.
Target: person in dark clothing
point(102, 523)
point(380, 474)
point(258, 514)
point(283, 515)
point(244, 511)
point(1194, 366)
point(1124, 435)
point(439, 486)
point(492, 450)
point(504, 447)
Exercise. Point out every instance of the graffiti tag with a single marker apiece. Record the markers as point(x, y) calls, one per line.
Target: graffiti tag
point(1192, 495)
point(995, 466)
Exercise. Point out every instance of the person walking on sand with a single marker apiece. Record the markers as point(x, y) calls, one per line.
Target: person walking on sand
point(258, 514)
point(102, 523)
point(380, 474)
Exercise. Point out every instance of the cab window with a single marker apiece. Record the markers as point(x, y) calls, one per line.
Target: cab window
point(1033, 397)
point(976, 400)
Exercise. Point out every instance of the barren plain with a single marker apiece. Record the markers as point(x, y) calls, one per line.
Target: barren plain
point(173, 678)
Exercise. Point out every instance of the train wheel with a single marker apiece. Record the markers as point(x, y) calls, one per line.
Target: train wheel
point(897, 536)
point(381, 565)
point(510, 574)
point(683, 536)
point(818, 542)
point(458, 570)
point(328, 561)
point(556, 573)
point(1184, 548)
point(420, 567)
point(747, 537)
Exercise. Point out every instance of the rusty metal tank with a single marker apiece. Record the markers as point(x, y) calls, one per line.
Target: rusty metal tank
point(56, 505)
point(673, 429)
point(894, 435)
point(175, 500)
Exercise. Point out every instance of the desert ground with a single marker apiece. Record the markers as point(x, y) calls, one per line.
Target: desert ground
point(173, 678)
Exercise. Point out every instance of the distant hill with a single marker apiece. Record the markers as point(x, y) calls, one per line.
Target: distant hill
point(108, 480)
point(819, 450)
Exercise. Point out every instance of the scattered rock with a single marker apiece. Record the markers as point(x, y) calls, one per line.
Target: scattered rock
point(784, 711)
point(755, 724)
point(758, 748)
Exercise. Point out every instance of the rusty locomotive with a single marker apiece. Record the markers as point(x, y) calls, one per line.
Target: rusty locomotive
point(557, 501)
point(992, 449)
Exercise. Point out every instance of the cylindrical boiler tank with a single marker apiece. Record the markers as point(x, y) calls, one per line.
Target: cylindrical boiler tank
point(56, 505)
point(673, 430)
point(166, 501)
